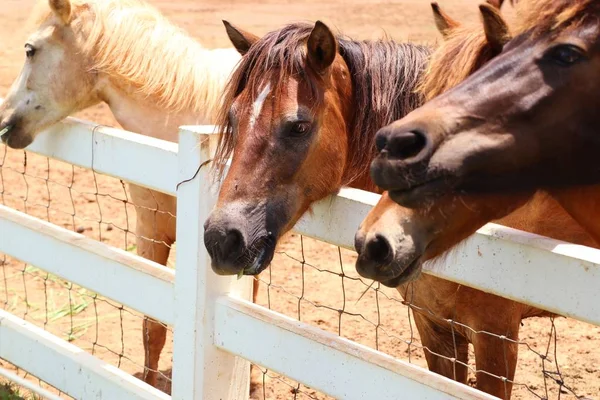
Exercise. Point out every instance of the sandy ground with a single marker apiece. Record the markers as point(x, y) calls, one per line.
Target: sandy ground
point(322, 290)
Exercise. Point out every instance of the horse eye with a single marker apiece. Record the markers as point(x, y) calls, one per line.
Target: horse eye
point(29, 51)
point(566, 54)
point(299, 128)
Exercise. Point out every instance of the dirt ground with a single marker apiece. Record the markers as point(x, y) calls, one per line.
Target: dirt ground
point(323, 290)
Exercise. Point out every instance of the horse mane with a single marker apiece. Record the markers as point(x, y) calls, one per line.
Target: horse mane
point(551, 16)
point(464, 50)
point(132, 42)
point(384, 77)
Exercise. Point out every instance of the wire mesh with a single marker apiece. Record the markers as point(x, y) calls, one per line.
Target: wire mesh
point(316, 283)
point(98, 207)
point(308, 280)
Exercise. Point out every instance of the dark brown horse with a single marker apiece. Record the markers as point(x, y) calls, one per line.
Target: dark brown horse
point(445, 300)
point(428, 231)
point(393, 241)
point(528, 120)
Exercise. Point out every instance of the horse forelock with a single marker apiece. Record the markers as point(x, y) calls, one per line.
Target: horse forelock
point(281, 52)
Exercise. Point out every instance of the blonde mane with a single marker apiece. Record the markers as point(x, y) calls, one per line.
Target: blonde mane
point(135, 45)
point(459, 55)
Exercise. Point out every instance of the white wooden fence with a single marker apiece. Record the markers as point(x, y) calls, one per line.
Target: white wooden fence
point(216, 330)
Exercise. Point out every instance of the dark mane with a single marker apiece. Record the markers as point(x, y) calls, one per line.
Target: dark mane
point(385, 75)
point(384, 79)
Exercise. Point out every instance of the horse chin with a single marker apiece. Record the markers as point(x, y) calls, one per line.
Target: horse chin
point(411, 273)
point(421, 195)
point(262, 259)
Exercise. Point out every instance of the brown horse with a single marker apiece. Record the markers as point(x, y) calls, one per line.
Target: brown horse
point(390, 239)
point(300, 115)
point(253, 119)
point(528, 120)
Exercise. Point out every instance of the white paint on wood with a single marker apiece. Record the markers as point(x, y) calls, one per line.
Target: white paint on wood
point(546, 273)
point(30, 386)
point(323, 361)
point(65, 366)
point(146, 161)
point(200, 370)
point(99, 267)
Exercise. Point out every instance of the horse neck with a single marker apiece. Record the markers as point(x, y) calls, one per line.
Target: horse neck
point(140, 113)
point(583, 205)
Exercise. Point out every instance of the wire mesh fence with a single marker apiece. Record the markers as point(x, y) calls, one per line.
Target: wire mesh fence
point(309, 280)
point(316, 283)
point(98, 207)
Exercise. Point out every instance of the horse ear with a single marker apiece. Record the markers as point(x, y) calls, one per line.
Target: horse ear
point(495, 3)
point(496, 28)
point(444, 23)
point(240, 39)
point(62, 9)
point(322, 47)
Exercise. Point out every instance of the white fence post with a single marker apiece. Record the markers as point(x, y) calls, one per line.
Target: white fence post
point(200, 370)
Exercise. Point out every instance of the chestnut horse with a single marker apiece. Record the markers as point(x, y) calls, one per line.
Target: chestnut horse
point(526, 121)
point(84, 52)
point(389, 239)
point(258, 122)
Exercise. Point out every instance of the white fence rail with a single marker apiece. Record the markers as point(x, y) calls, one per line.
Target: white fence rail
point(215, 330)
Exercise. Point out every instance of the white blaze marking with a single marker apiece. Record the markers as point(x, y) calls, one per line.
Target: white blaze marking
point(258, 104)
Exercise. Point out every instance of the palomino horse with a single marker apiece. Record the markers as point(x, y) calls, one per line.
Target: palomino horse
point(90, 51)
point(261, 124)
point(527, 120)
point(388, 240)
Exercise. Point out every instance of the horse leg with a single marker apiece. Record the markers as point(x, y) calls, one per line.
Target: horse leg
point(155, 233)
point(442, 347)
point(255, 288)
point(495, 352)
point(496, 357)
point(154, 332)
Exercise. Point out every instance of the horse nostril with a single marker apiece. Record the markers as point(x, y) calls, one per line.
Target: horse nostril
point(406, 145)
point(380, 142)
point(379, 250)
point(233, 243)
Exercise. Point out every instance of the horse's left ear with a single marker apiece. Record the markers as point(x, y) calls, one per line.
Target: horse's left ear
point(322, 47)
point(62, 9)
point(241, 40)
point(444, 23)
point(496, 28)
